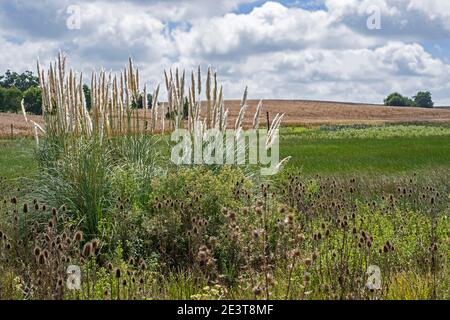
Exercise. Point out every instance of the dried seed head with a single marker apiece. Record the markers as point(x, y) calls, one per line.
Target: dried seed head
point(307, 262)
point(118, 273)
point(202, 256)
point(87, 250)
point(42, 259)
point(257, 291)
point(95, 243)
point(78, 236)
point(37, 251)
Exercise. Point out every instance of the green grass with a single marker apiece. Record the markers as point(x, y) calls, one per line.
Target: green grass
point(367, 156)
point(375, 150)
point(335, 150)
point(16, 158)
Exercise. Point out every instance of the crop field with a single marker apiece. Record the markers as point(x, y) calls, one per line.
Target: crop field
point(95, 208)
point(297, 113)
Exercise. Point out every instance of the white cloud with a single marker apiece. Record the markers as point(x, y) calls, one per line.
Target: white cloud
point(279, 51)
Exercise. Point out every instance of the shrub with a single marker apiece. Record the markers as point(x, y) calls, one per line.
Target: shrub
point(12, 99)
point(2, 99)
point(33, 100)
point(397, 100)
point(423, 100)
point(184, 198)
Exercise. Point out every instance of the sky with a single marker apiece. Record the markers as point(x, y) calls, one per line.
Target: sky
point(338, 50)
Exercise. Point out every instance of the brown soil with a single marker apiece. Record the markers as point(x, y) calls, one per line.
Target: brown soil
point(297, 112)
point(311, 113)
point(19, 126)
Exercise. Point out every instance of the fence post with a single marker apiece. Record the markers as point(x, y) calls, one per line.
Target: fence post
point(12, 130)
point(268, 121)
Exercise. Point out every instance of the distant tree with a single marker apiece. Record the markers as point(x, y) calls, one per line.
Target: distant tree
point(2, 99)
point(12, 99)
point(22, 81)
point(87, 96)
point(423, 100)
point(33, 100)
point(185, 109)
point(140, 102)
point(397, 100)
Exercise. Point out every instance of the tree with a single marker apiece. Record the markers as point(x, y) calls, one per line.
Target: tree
point(12, 99)
point(2, 99)
point(423, 100)
point(87, 96)
point(185, 109)
point(33, 100)
point(140, 102)
point(397, 100)
point(22, 81)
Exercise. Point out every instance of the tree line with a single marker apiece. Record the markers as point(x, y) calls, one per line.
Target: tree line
point(14, 87)
point(421, 100)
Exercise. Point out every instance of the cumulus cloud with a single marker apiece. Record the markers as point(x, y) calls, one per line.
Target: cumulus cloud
point(319, 49)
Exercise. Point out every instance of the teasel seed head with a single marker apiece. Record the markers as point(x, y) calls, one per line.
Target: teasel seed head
point(307, 262)
point(257, 291)
point(78, 236)
point(41, 259)
point(95, 244)
point(37, 251)
point(202, 256)
point(87, 250)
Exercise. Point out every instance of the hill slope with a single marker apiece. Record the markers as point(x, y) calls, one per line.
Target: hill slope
point(298, 112)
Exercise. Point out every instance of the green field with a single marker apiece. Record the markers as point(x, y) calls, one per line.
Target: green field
point(354, 197)
point(16, 157)
point(371, 151)
point(367, 151)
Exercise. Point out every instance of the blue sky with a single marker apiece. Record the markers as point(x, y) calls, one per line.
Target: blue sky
point(291, 49)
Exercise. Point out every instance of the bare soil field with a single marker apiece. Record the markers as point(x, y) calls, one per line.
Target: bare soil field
point(298, 112)
point(314, 113)
point(19, 126)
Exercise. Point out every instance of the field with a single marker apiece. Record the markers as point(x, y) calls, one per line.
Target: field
point(364, 166)
point(297, 113)
point(95, 209)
